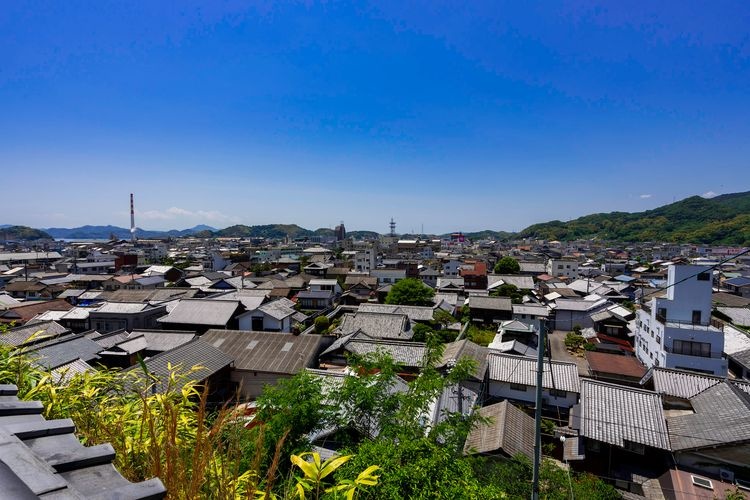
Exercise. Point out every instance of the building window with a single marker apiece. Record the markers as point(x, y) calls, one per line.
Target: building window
point(704, 276)
point(688, 348)
point(556, 393)
point(696, 317)
point(518, 387)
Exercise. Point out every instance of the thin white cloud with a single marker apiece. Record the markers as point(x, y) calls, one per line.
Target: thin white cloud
point(645, 196)
point(709, 194)
point(174, 213)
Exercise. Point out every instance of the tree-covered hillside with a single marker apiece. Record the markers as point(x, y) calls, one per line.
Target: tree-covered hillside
point(721, 220)
point(18, 233)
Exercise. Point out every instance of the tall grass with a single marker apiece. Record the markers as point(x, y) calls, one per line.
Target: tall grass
point(173, 434)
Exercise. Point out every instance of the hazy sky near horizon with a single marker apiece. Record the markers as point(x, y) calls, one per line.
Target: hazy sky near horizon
point(455, 116)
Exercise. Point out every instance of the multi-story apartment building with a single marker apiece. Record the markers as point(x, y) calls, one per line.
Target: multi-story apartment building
point(675, 331)
point(562, 267)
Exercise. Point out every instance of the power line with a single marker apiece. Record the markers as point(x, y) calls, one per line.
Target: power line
point(709, 268)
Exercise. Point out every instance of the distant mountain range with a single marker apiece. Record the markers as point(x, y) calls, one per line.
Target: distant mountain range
point(104, 232)
point(723, 220)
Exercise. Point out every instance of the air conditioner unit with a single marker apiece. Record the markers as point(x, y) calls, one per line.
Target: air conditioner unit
point(726, 475)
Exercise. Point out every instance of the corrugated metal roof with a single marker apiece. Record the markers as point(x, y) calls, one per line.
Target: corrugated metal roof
point(614, 414)
point(269, 352)
point(522, 370)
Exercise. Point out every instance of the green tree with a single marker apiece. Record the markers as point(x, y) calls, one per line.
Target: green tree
point(321, 324)
point(410, 291)
point(507, 265)
point(510, 291)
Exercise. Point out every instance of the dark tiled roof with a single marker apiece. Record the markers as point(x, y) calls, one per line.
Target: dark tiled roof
point(195, 353)
point(509, 430)
point(65, 350)
point(44, 459)
point(23, 334)
point(465, 349)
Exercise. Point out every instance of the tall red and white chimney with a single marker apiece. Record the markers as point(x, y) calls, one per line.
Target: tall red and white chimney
point(132, 219)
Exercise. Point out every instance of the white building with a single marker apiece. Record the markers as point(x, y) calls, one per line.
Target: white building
point(676, 331)
point(365, 260)
point(562, 267)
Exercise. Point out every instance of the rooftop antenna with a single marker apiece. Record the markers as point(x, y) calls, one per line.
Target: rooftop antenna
point(132, 219)
point(392, 225)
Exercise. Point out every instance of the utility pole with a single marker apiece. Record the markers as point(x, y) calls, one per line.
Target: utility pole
point(538, 412)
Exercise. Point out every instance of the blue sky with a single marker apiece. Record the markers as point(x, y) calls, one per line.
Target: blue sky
point(457, 116)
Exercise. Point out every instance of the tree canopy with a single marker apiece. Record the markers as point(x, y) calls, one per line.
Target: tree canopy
point(507, 265)
point(410, 292)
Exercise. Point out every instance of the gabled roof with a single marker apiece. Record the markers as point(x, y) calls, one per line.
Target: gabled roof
point(202, 312)
point(165, 340)
point(415, 313)
point(277, 309)
point(454, 351)
point(196, 353)
point(679, 383)
point(721, 417)
point(509, 430)
point(23, 334)
point(490, 303)
point(377, 325)
point(519, 281)
point(65, 350)
point(513, 369)
point(615, 414)
point(531, 309)
point(408, 354)
point(268, 352)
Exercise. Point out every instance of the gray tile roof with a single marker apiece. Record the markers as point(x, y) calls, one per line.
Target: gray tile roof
point(519, 281)
point(408, 354)
point(415, 313)
point(679, 383)
point(44, 459)
point(277, 309)
point(531, 309)
point(202, 312)
point(266, 351)
point(614, 414)
point(22, 334)
point(522, 370)
point(377, 325)
point(510, 430)
point(721, 417)
point(182, 359)
point(65, 350)
point(490, 303)
point(65, 372)
point(122, 307)
point(465, 348)
point(165, 340)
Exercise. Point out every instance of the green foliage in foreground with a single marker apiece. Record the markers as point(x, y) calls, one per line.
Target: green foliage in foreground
point(387, 451)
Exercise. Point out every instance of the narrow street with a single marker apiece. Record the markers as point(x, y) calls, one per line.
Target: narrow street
point(559, 353)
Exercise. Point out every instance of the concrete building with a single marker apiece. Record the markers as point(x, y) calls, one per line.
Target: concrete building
point(563, 267)
point(675, 331)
